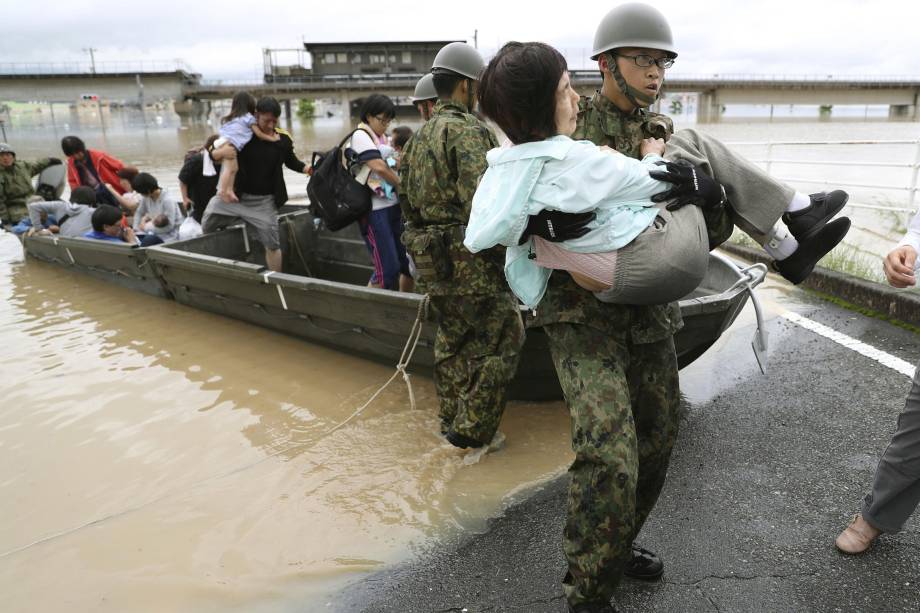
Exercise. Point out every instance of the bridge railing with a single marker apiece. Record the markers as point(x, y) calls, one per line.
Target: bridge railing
point(43, 68)
point(911, 188)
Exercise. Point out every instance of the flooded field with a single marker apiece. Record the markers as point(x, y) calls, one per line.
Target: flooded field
point(158, 458)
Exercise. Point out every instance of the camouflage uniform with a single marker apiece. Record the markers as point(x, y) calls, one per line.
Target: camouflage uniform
point(480, 332)
point(618, 370)
point(16, 187)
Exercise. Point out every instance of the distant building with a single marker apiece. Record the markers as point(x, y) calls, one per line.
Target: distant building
point(355, 59)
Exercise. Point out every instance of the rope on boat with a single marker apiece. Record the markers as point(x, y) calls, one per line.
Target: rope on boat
point(292, 234)
point(404, 359)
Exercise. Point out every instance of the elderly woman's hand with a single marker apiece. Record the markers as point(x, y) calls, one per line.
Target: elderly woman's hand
point(651, 145)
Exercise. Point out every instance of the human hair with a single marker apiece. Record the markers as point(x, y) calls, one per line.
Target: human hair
point(145, 184)
point(127, 173)
point(377, 104)
point(105, 215)
point(401, 136)
point(267, 104)
point(242, 103)
point(446, 82)
point(71, 145)
point(83, 195)
point(518, 90)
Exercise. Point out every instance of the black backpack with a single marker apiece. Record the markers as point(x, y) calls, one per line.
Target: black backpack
point(336, 196)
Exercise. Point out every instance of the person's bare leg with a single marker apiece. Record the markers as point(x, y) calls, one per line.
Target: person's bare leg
point(406, 283)
point(226, 155)
point(273, 259)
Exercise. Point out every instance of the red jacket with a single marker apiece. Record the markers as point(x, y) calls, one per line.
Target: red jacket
point(106, 167)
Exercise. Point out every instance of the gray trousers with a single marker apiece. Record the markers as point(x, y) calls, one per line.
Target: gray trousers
point(670, 258)
point(757, 201)
point(896, 488)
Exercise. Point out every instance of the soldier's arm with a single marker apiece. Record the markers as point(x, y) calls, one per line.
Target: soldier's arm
point(36, 167)
point(470, 147)
point(409, 212)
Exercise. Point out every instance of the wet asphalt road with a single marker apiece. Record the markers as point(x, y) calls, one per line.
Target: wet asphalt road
point(766, 471)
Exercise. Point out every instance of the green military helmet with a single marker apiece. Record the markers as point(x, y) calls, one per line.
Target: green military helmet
point(424, 89)
point(4, 148)
point(633, 25)
point(460, 58)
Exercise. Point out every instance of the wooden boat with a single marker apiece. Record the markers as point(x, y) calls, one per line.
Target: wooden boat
point(322, 295)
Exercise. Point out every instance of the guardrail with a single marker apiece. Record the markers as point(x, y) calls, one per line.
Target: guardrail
point(912, 188)
point(41, 68)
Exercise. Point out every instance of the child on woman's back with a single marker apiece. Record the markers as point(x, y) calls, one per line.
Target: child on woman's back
point(237, 127)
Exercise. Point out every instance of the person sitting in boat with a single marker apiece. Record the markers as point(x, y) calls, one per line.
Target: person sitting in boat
point(74, 218)
point(92, 168)
point(158, 215)
point(644, 247)
point(16, 183)
point(236, 129)
point(128, 199)
point(25, 224)
point(109, 224)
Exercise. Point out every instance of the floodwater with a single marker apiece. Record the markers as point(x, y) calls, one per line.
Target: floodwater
point(158, 458)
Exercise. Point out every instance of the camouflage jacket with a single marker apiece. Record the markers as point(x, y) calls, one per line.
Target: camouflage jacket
point(439, 171)
point(602, 123)
point(16, 181)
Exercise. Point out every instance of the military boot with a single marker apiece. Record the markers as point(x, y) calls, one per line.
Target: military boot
point(643, 565)
point(588, 607)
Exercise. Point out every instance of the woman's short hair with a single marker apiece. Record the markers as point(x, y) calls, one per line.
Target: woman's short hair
point(377, 104)
point(518, 90)
point(145, 184)
point(71, 145)
point(127, 173)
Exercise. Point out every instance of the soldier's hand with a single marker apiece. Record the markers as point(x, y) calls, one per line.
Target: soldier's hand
point(691, 186)
point(899, 267)
point(556, 226)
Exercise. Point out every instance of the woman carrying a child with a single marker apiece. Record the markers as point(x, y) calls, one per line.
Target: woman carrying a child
point(383, 226)
point(236, 128)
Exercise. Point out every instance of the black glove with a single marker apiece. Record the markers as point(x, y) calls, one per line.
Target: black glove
point(691, 186)
point(556, 226)
point(54, 161)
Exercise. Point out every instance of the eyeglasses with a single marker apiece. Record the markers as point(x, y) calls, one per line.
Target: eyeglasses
point(644, 61)
point(384, 120)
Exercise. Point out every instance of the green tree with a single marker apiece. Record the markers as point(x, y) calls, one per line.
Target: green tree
point(306, 108)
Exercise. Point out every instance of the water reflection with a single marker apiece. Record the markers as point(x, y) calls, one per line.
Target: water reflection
point(183, 461)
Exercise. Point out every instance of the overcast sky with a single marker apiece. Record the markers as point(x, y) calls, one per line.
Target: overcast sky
point(223, 40)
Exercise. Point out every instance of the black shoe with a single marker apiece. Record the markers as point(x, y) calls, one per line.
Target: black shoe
point(590, 607)
point(643, 565)
point(461, 440)
point(807, 222)
point(800, 264)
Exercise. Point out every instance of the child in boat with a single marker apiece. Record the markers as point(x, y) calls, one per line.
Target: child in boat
point(237, 127)
point(639, 249)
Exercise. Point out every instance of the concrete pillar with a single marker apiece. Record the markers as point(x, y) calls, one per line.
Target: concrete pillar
point(709, 109)
point(192, 110)
point(903, 111)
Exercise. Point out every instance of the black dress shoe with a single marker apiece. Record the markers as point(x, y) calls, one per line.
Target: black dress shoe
point(461, 440)
point(807, 222)
point(800, 264)
point(643, 565)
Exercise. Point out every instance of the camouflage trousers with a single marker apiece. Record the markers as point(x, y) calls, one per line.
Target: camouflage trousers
point(11, 214)
point(623, 399)
point(476, 352)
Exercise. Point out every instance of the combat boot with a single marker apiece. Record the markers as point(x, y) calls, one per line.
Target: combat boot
point(461, 440)
point(643, 565)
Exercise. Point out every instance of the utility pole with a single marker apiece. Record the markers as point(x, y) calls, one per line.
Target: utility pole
point(92, 58)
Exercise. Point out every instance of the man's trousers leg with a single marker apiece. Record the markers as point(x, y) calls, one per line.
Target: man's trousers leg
point(623, 400)
point(756, 200)
point(896, 487)
point(476, 352)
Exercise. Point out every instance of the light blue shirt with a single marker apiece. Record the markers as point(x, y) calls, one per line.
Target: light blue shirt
point(563, 175)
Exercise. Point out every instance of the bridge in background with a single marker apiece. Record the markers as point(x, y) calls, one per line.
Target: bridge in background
point(191, 95)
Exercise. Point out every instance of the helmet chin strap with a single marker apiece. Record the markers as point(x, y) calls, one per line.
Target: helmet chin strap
point(638, 97)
